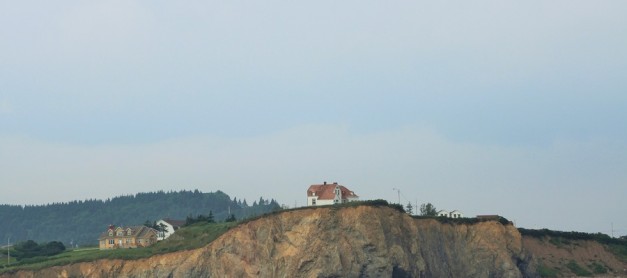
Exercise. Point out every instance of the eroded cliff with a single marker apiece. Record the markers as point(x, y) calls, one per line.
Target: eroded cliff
point(358, 241)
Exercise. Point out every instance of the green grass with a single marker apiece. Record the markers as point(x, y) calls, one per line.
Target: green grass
point(186, 238)
point(577, 269)
point(545, 271)
point(597, 268)
point(3, 260)
point(559, 241)
point(620, 250)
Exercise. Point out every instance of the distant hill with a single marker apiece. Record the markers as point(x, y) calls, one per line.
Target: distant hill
point(81, 222)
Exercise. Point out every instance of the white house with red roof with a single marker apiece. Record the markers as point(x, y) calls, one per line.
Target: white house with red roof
point(329, 194)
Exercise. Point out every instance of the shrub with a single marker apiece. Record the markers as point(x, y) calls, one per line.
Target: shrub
point(30, 249)
point(577, 269)
point(545, 271)
point(597, 268)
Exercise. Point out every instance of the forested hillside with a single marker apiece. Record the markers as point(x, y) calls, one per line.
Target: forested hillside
point(81, 222)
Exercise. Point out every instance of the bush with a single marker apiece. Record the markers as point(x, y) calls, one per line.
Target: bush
point(30, 249)
point(597, 268)
point(599, 237)
point(577, 269)
point(545, 271)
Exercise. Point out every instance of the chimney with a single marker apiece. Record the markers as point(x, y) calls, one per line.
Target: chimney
point(335, 183)
point(325, 182)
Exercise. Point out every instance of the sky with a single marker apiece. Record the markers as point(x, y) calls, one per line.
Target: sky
point(487, 107)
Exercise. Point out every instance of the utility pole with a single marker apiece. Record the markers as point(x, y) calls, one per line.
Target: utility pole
point(399, 194)
point(416, 208)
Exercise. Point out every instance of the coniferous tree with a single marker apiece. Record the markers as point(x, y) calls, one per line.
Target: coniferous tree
point(210, 217)
point(409, 208)
point(231, 218)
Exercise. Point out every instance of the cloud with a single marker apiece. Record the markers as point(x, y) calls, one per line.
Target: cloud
point(535, 186)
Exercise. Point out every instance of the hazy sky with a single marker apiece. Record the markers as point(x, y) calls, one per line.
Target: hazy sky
point(489, 107)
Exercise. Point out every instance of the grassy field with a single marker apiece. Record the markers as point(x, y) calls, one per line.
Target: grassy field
point(187, 238)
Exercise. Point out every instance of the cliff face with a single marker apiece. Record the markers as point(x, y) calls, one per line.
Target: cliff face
point(329, 242)
point(563, 257)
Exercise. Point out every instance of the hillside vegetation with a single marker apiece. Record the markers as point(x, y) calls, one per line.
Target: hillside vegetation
point(187, 238)
point(81, 222)
point(567, 254)
point(357, 240)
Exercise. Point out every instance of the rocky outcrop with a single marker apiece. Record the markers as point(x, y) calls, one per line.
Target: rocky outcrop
point(358, 241)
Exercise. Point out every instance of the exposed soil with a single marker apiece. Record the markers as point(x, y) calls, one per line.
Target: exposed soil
point(556, 254)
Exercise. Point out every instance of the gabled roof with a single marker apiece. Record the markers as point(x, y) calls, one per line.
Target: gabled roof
point(326, 191)
point(136, 231)
point(174, 223)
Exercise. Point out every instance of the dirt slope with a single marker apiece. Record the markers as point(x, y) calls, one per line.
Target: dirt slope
point(559, 256)
point(330, 242)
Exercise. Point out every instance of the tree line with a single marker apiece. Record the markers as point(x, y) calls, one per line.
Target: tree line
point(82, 222)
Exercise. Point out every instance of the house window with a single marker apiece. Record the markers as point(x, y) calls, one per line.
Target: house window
point(313, 202)
point(110, 232)
point(128, 232)
point(112, 241)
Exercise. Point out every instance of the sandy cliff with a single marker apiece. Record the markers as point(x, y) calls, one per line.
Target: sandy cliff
point(329, 242)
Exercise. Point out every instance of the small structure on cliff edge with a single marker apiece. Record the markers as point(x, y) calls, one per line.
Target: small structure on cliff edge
point(452, 214)
point(329, 194)
point(127, 237)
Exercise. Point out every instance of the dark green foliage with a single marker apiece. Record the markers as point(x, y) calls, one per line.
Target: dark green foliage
point(504, 221)
point(545, 271)
point(597, 268)
point(448, 220)
point(409, 208)
point(201, 218)
point(619, 250)
point(81, 222)
point(577, 269)
point(599, 237)
point(30, 249)
point(231, 218)
point(428, 210)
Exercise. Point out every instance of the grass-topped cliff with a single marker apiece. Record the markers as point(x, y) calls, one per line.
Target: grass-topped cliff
point(360, 239)
point(367, 239)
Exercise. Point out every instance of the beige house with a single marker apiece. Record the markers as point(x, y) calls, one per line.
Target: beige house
point(127, 237)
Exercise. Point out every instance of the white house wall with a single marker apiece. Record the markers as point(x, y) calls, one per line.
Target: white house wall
point(324, 202)
point(166, 234)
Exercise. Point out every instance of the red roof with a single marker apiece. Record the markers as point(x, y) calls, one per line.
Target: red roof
point(326, 191)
